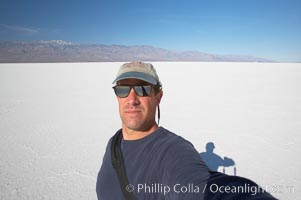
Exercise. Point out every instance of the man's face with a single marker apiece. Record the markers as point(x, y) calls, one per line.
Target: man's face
point(138, 113)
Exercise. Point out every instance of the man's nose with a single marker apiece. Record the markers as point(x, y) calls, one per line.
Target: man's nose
point(133, 97)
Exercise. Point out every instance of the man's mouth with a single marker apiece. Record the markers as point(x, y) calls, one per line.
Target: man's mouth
point(132, 111)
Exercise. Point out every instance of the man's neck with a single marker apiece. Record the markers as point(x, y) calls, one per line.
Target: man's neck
point(129, 134)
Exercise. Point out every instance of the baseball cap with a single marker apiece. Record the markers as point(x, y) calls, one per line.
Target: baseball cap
point(138, 70)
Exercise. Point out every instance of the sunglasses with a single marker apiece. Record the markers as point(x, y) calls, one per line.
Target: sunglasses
point(123, 91)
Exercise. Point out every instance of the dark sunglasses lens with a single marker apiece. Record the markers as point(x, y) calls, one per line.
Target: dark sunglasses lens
point(143, 90)
point(122, 91)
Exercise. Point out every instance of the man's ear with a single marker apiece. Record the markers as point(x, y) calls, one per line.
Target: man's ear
point(159, 97)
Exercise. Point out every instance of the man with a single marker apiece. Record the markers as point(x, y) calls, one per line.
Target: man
point(156, 163)
point(212, 160)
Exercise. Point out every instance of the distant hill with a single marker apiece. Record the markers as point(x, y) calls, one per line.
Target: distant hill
point(62, 51)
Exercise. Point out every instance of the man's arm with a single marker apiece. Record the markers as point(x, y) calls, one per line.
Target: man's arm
point(223, 187)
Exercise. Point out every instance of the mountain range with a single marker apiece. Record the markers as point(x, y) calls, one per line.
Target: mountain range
point(64, 51)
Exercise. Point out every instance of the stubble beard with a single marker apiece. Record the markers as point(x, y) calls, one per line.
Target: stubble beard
point(138, 123)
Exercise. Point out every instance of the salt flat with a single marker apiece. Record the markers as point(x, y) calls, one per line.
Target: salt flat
point(56, 119)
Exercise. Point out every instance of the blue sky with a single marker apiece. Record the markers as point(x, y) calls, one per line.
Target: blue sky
point(264, 28)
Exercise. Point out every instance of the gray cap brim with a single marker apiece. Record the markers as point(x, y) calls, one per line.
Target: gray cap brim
point(137, 75)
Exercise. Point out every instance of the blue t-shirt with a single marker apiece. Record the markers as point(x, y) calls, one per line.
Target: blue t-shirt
point(161, 165)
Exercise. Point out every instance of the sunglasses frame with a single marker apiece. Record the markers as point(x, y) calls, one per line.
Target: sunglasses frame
point(134, 88)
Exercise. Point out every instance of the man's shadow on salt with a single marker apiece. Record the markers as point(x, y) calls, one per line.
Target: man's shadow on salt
point(214, 161)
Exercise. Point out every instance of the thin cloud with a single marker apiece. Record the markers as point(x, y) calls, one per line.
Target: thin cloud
point(19, 29)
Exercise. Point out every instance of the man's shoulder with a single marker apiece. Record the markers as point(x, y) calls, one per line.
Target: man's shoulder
point(174, 143)
point(171, 137)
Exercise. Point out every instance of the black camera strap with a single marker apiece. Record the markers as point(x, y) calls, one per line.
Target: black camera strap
point(118, 164)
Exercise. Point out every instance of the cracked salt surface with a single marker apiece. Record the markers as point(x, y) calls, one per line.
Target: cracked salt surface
point(56, 120)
